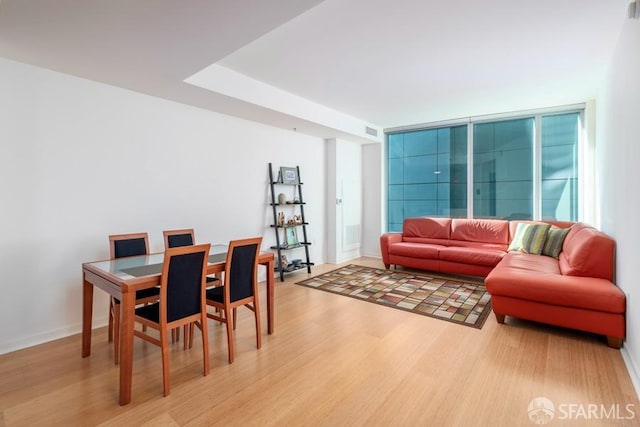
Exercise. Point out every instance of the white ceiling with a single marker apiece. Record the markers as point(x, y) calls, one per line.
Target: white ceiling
point(381, 62)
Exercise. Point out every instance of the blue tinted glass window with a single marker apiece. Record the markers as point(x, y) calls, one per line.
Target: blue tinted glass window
point(428, 170)
point(503, 169)
point(559, 191)
point(396, 146)
point(427, 174)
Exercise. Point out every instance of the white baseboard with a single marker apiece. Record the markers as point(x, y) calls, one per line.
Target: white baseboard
point(631, 368)
point(376, 256)
point(41, 338)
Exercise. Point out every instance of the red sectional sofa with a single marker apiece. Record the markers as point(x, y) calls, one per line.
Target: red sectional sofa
point(575, 290)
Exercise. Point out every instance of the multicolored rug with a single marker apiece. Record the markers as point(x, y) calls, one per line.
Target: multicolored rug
point(462, 301)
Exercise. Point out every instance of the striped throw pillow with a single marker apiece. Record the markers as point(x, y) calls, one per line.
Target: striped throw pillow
point(529, 238)
point(555, 239)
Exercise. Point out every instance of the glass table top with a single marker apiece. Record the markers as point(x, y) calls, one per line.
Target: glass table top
point(148, 265)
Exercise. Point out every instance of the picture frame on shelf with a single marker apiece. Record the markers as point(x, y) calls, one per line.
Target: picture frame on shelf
point(289, 175)
point(291, 237)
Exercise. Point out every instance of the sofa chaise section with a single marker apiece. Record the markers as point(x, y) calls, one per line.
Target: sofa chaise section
point(574, 291)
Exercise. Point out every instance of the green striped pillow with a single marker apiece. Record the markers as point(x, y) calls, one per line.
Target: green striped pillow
point(555, 239)
point(529, 238)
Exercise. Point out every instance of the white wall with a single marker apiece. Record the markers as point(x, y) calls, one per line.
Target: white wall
point(373, 199)
point(81, 160)
point(618, 154)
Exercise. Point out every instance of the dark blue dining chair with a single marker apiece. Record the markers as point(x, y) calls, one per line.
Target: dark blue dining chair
point(177, 238)
point(174, 239)
point(182, 302)
point(120, 246)
point(240, 288)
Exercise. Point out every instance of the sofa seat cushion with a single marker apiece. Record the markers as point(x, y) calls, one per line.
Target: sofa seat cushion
point(479, 245)
point(534, 263)
point(415, 250)
point(471, 255)
point(427, 240)
point(567, 291)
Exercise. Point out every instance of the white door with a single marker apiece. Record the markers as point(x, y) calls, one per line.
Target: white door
point(350, 211)
point(344, 185)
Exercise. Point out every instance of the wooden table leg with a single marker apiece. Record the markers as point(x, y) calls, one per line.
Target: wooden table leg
point(270, 295)
point(126, 345)
point(87, 312)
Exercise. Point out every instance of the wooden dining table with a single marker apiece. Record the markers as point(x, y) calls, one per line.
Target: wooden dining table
point(122, 277)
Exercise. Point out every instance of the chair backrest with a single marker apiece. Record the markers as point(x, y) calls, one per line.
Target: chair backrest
point(131, 244)
point(177, 238)
point(240, 279)
point(182, 285)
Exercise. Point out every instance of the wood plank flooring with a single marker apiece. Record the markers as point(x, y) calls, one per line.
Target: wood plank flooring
point(332, 361)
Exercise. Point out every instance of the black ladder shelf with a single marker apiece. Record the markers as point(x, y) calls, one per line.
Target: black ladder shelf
point(283, 244)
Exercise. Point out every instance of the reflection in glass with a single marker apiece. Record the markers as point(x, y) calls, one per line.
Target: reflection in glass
point(427, 174)
point(560, 167)
point(503, 169)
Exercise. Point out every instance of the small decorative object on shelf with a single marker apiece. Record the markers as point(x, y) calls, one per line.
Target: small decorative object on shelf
point(287, 221)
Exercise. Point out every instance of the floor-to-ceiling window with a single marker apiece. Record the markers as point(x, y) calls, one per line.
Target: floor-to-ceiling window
point(524, 167)
point(560, 166)
point(427, 174)
point(503, 169)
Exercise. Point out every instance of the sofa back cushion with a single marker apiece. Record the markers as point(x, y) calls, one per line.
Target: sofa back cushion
point(529, 238)
point(555, 241)
point(426, 230)
point(587, 252)
point(513, 225)
point(494, 231)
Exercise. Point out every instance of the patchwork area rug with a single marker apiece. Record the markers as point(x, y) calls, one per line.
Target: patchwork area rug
point(462, 301)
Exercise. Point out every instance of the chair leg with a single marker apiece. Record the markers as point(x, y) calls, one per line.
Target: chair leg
point(110, 319)
point(187, 330)
point(144, 327)
point(256, 312)
point(230, 326)
point(164, 342)
point(205, 341)
point(116, 333)
point(191, 331)
point(175, 335)
point(187, 335)
point(235, 317)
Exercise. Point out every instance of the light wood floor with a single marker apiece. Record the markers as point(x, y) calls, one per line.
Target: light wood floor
point(332, 361)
